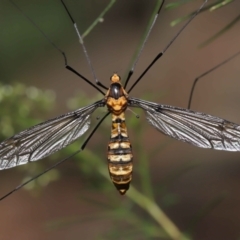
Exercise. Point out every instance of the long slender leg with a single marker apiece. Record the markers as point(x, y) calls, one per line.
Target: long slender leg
point(159, 55)
point(57, 48)
point(143, 44)
point(84, 48)
point(58, 163)
point(206, 73)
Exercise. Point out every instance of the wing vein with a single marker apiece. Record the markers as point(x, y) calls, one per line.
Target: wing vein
point(196, 128)
point(46, 138)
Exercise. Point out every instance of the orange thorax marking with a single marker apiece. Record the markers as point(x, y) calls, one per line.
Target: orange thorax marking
point(116, 105)
point(116, 97)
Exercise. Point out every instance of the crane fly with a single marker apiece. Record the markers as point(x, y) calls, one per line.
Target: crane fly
point(196, 128)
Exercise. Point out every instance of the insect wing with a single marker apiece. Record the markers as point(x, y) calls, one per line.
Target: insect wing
point(196, 128)
point(45, 138)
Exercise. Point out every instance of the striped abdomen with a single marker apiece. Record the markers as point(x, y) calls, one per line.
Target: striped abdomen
point(120, 154)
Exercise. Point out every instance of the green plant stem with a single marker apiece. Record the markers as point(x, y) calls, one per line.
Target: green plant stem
point(97, 20)
point(145, 175)
point(153, 210)
point(157, 214)
point(132, 61)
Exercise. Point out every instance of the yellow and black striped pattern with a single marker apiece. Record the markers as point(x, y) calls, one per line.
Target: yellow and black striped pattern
point(120, 155)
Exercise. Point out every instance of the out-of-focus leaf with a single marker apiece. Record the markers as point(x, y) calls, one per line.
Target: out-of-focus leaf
point(221, 4)
point(209, 7)
point(173, 5)
point(221, 32)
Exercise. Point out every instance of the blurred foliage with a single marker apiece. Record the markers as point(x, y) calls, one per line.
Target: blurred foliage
point(34, 104)
point(138, 214)
point(216, 5)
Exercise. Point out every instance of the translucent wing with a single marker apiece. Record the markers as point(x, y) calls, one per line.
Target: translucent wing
point(199, 129)
point(45, 138)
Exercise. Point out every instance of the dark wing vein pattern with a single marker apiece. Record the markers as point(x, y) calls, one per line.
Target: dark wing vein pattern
point(196, 128)
point(45, 138)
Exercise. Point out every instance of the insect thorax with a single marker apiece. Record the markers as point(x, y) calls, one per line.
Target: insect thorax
point(116, 98)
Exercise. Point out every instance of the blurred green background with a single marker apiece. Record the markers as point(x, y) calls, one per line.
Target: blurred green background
point(197, 189)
